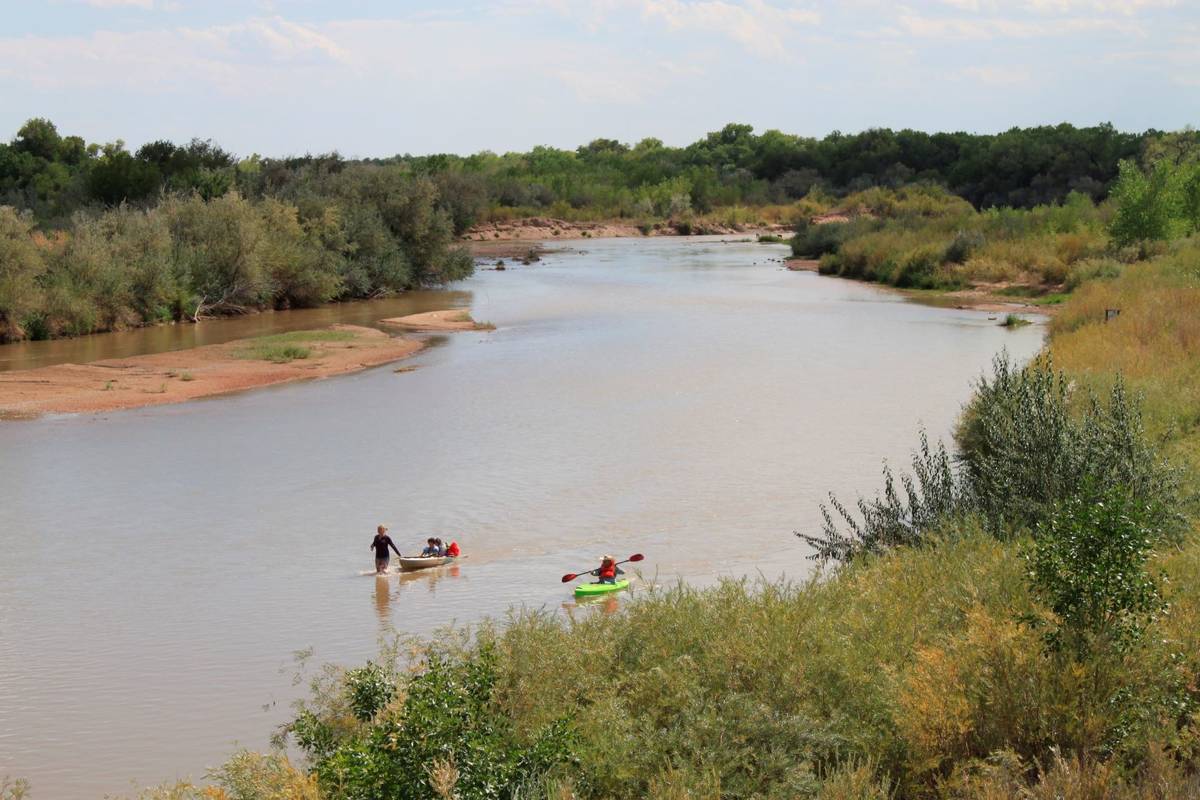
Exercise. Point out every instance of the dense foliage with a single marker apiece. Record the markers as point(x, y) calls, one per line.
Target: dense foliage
point(54, 175)
point(365, 231)
point(921, 236)
point(95, 237)
point(441, 735)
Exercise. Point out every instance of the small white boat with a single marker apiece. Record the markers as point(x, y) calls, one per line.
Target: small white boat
point(414, 563)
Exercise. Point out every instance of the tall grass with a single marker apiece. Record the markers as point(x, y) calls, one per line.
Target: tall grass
point(1154, 343)
point(922, 237)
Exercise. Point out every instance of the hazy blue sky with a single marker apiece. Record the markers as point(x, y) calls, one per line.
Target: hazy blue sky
point(375, 78)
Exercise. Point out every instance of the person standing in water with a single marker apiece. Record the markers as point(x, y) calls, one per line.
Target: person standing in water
point(381, 543)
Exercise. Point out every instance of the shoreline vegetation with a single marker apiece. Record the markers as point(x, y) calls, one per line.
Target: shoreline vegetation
point(94, 237)
point(1016, 615)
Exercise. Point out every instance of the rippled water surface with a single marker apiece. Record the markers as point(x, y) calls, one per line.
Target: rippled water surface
point(684, 398)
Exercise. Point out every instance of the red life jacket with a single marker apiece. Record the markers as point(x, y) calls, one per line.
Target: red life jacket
point(452, 550)
point(608, 569)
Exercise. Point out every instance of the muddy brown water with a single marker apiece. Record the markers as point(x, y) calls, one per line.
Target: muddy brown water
point(685, 398)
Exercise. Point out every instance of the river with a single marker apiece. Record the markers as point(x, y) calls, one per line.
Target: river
point(684, 398)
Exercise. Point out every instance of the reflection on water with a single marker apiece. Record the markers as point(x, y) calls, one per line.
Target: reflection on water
point(664, 396)
point(605, 603)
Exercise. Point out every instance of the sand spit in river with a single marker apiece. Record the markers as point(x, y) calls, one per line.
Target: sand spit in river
point(452, 319)
point(174, 377)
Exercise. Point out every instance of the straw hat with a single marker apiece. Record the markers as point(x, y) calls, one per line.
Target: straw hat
point(606, 558)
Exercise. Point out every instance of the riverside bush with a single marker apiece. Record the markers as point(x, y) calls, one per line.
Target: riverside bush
point(1088, 565)
point(1023, 450)
point(189, 258)
point(922, 238)
point(442, 731)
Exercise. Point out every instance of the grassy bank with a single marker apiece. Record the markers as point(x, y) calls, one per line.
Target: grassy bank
point(923, 237)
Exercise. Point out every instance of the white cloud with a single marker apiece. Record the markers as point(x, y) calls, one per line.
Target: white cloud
point(1122, 7)
point(980, 28)
point(758, 26)
point(227, 57)
point(146, 4)
point(999, 76)
point(1125, 7)
point(761, 27)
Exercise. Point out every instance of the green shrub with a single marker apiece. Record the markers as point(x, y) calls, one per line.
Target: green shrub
point(1088, 565)
point(369, 688)
point(1026, 449)
point(813, 240)
point(21, 262)
point(935, 493)
point(446, 730)
point(1092, 269)
point(964, 244)
point(1023, 450)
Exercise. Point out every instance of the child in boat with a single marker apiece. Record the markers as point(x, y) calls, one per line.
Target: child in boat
point(431, 548)
point(608, 571)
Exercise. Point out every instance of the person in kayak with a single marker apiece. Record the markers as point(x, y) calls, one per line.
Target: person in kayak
point(608, 571)
point(381, 543)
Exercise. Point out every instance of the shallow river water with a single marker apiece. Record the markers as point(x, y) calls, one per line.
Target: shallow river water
point(685, 398)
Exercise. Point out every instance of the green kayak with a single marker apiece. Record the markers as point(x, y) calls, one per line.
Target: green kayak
point(593, 589)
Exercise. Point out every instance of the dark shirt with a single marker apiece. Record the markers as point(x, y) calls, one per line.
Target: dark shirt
point(381, 544)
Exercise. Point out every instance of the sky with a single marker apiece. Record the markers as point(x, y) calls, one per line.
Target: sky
point(374, 78)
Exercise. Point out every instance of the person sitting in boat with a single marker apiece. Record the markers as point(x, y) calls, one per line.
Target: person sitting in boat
point(608, 571)
point(452, 550)
point(381, 543)
point(441, 548)
point(431, 548)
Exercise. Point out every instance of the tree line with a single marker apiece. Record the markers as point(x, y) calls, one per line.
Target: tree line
point(95, 237)
point(53, 175)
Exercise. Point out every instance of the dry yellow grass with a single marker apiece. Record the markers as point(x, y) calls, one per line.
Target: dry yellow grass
point(1154, 343)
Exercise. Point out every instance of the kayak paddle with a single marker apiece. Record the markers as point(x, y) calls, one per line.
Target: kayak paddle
point(570, 576)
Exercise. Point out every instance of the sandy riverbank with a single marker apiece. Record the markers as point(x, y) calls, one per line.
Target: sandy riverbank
point(452, 319)
point(174, 377)
point(501, 239)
